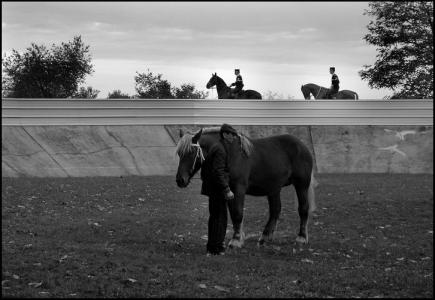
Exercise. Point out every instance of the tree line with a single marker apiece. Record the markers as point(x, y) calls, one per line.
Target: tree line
point(57, 72)
point(401, 31)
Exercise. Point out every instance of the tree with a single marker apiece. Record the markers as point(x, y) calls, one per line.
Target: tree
point(403, 35)
point(43, 73)
point(149, 86)
point(117, 94)
point(187, 91)
point(86, 93)
point(269, 95)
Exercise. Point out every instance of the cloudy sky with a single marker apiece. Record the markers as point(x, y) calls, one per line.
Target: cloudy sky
point(278, 46)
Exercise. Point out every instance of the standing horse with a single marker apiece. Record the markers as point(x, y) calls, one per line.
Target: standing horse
point(258, 167)
point(224, 91)
point(320, 92)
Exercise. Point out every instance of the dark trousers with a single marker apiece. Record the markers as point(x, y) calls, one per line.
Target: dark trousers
point(333, 92)
point(217, 224)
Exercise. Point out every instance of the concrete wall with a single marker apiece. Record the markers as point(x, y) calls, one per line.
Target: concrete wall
point(115, 150)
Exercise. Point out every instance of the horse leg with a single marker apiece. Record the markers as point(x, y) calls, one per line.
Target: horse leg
point(235, 207)
point(303, 209)
point(274, 211)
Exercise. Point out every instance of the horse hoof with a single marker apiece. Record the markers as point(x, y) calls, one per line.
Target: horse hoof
point(301, 240)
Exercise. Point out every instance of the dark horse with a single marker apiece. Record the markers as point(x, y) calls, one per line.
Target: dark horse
point(320, 92)
point(224, 91)
point(258, 167)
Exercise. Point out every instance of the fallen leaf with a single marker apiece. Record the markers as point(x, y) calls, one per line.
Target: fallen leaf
point(222, 289)
point(35, 284)
point(132, 280)
point(202, 286)
point(15, 276)
point(307, 260)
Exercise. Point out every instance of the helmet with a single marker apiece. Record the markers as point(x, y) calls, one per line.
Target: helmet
point(332, 68)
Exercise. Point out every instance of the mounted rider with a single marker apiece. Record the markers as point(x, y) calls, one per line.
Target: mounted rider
point(238, 83)
point(335, 84)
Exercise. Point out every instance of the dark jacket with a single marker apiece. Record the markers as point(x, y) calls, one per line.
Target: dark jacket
point(239, 83)
point(335, 82)
point(215, 172)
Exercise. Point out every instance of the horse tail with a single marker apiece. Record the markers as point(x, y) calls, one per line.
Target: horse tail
point(311, 202)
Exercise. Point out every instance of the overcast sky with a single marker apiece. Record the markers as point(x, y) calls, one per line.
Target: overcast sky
point(278, 46)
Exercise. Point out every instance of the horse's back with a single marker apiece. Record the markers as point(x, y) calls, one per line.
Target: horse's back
point(276, 160)
point(252, 94)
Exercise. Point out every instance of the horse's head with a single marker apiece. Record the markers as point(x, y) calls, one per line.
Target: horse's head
point(191, 157)
point(213, 81)
point(306, 91)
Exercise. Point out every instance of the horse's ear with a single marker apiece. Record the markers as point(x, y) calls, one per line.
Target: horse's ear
point(196, 137)
point(181, 132)
point(215, 74)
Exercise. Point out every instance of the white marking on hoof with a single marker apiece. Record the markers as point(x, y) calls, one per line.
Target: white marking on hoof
point(235, 243)
point(265, 239)
point(302, 240)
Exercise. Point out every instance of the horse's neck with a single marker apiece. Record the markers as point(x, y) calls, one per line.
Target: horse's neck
point(207, 141)
point(221, 87)
point(316, 90)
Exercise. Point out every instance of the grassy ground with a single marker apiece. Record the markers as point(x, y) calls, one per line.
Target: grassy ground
point(371, 236)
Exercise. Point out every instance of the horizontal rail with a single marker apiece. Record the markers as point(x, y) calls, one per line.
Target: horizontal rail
point(18, 112)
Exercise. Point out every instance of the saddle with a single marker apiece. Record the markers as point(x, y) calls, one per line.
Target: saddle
point(235, 95)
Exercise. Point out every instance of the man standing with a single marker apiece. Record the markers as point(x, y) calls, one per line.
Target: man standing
point(335, 84)
point(215, 185)
point(238, 83)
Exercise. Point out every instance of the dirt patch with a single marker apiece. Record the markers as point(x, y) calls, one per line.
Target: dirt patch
point(371, 236)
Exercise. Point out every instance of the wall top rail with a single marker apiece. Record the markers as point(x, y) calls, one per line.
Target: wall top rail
point(18, 112)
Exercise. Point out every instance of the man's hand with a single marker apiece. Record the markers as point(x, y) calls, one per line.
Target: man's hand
point(229, 195)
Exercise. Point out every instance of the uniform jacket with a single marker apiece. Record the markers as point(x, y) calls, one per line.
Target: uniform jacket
point(215, 172)
point(335, 82)
point(239, 82)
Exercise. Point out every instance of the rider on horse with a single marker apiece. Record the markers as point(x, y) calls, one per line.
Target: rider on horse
point(334, 84)
point(239, 84)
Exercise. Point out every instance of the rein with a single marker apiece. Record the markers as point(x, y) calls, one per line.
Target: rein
point(320, 88)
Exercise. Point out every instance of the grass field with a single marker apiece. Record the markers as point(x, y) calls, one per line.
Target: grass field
point(371, 236)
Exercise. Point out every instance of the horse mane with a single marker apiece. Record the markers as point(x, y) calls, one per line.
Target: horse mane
point(184, 145)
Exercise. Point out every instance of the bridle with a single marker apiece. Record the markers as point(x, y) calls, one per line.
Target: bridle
point(199, 154)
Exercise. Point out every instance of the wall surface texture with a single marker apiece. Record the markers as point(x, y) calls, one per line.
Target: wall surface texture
point(81, 150)
point(89, 141)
